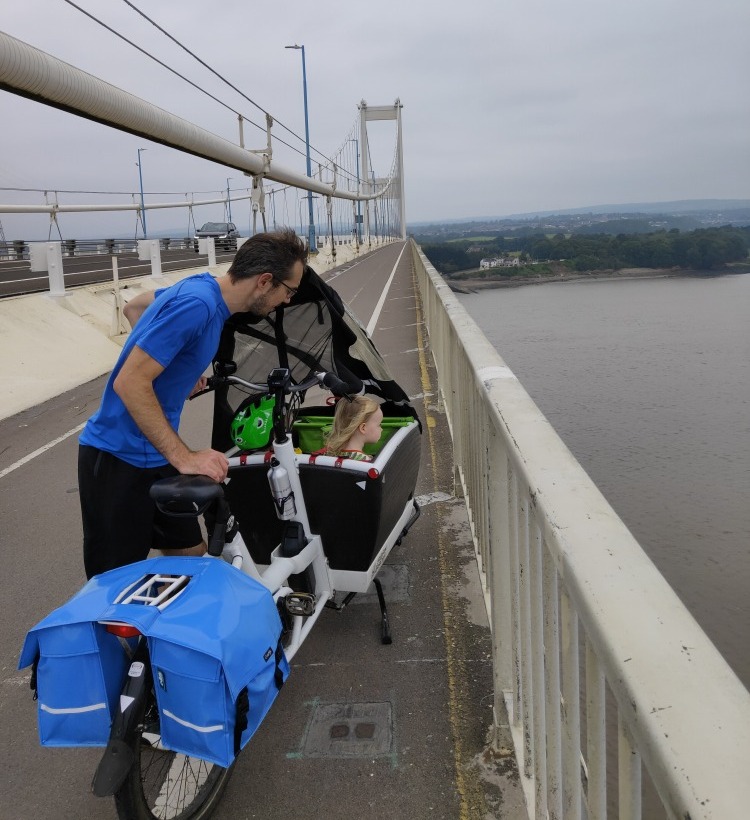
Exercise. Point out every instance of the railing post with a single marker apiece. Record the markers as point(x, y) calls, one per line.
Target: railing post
point(55, 268)
point(156, 272)
point(553, 730)
point(47, 256)
point(499, 571)
point(629, 774)
point(596, 738)
point(149, 250)
point(571, 709)
point(118, 317)
point(206, 245)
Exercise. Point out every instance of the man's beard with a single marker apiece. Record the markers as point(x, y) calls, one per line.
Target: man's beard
point(259, 309)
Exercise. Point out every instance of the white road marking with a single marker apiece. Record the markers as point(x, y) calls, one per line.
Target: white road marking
point(41, 450)
point(376, 313)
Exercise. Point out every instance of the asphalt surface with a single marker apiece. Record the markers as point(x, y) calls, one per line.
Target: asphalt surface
point(429, 694)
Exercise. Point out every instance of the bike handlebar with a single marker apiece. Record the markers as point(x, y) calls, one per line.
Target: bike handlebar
point(328, 380)
point(336, 385)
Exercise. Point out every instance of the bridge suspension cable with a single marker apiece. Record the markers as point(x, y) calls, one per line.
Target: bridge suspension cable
point(31, 73)
point(199, 88)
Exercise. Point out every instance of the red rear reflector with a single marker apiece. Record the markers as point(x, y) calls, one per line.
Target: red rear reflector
point(123, 630)
point(373, 473)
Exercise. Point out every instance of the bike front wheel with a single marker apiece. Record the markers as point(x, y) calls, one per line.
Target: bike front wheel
point(167, 785)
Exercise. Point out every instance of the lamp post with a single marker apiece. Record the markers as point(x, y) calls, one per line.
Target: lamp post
point(299, 209)
point(311, 223)
point(143, 207)
point(229, 203)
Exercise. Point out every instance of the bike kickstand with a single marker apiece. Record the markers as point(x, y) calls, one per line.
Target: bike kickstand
point(385, 628)
point(330, 604)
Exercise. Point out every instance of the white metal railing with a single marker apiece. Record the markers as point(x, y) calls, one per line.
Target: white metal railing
point(590, 643)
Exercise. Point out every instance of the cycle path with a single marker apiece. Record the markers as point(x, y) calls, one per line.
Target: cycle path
point(361, 729)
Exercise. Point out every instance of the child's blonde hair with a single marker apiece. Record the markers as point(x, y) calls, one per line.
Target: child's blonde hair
point(347, 418)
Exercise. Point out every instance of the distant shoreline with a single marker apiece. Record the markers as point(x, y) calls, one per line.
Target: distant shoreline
point(475, 285)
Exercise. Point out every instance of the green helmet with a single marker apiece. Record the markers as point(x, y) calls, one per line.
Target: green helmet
point(251, 427)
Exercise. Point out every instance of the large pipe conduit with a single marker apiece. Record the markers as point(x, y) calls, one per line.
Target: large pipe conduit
point(129, 206)
point(31, 73)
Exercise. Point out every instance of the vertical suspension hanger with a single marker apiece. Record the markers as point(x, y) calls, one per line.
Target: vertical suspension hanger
point(191, 216)
point(53, 217)
point(137, 217)
point(329, 209)
point(258, 201)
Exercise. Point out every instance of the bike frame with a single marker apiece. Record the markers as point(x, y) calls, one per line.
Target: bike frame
point(281, 567)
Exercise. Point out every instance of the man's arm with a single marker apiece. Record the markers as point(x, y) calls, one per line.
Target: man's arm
point(136, 307)
point(134, 384)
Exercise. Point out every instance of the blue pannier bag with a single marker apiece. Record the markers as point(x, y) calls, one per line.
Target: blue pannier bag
point(215, 650)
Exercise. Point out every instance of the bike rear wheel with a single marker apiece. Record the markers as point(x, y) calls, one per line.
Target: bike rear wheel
point(167, 785)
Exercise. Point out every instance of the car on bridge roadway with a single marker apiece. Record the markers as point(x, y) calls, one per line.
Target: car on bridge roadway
point(225, 235)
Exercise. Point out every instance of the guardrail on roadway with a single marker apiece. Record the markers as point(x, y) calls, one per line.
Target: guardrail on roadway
point(19, 248)
point(590, 643)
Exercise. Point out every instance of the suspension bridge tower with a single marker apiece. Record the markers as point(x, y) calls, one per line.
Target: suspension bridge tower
point(383, 112)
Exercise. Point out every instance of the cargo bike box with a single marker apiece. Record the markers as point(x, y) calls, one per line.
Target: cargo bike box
point(361, 509)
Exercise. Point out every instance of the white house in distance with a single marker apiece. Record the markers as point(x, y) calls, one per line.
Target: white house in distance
point(499, 262)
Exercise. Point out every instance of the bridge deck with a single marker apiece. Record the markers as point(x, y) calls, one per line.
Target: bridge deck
point(418, 711)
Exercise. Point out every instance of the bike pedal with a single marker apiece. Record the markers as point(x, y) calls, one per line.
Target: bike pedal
point(300, 603)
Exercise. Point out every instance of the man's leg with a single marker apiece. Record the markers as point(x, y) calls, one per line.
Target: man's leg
point(116, 511)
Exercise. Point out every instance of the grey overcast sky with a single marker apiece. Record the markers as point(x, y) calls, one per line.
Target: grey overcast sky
point(510, 106)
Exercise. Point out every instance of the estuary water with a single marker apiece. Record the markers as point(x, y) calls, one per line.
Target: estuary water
point(648, 383)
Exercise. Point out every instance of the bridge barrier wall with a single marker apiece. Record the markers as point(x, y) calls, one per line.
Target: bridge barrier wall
point(585, 629)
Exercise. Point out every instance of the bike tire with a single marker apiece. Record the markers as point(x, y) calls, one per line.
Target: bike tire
point(166, 785)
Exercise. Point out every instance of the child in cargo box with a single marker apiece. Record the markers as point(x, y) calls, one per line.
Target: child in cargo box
point(355, 423)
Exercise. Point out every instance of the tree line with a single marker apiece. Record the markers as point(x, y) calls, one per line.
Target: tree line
point(701, 249)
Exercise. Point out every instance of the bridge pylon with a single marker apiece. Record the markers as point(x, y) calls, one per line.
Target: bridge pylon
point(382, 112)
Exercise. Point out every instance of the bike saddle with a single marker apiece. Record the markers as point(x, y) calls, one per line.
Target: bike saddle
point(185, 495)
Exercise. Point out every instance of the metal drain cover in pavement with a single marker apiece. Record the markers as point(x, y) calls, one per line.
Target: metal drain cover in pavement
point(349, 730)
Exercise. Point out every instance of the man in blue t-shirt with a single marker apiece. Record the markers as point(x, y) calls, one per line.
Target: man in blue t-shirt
point(132, 439)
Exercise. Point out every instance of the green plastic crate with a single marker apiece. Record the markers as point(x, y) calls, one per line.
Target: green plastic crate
point(312, 431)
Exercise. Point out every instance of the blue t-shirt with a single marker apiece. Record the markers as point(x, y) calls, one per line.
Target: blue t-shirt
point(181, 331)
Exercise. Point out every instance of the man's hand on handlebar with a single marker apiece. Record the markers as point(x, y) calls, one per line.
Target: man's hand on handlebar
point(210, 463)
point(200, 386)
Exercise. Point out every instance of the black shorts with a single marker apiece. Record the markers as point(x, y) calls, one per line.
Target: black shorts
point(120, 521)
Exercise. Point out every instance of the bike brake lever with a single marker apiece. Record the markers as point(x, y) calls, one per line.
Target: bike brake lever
point(201, 393)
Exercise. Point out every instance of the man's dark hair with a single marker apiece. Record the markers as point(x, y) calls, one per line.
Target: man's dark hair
point(273, 252)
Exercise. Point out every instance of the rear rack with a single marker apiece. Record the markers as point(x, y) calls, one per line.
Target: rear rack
point(154, 590)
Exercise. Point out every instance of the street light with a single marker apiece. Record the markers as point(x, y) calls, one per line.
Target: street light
point(229, 203)
point(299, 209)
point(311, 224)
point(140, 179)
